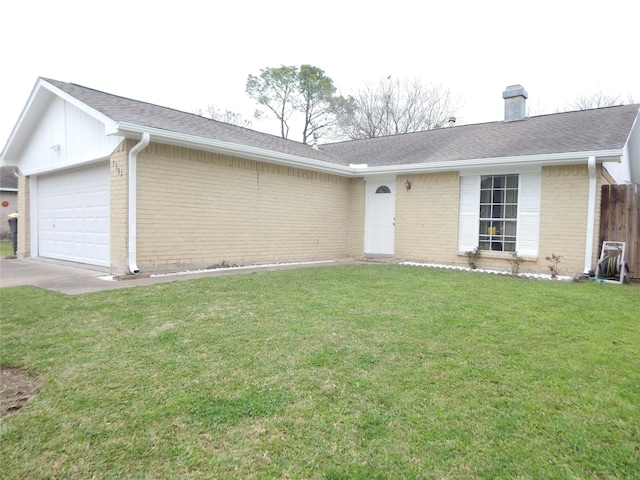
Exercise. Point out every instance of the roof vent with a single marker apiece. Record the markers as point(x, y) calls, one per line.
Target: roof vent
point(515, 103)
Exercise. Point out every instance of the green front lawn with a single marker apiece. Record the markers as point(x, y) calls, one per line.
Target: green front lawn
point(369, 371)
point(6, 248)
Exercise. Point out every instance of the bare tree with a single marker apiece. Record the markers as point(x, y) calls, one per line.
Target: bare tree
point(226, 116)
point(394, 107)
point(597, 99)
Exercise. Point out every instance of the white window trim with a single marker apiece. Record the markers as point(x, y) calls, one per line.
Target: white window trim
point(528, 229)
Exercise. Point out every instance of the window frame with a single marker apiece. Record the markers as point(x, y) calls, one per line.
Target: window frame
point(498, 213)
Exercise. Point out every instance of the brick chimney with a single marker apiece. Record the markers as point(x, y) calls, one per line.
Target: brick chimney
point(515, 103)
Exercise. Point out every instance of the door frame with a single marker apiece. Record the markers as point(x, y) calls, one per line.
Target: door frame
point(371, 185)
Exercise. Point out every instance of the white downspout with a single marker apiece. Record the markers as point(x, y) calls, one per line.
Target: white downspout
point(591, 214)
point(133, 205)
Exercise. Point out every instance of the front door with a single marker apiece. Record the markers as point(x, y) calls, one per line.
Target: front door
point(380, 218)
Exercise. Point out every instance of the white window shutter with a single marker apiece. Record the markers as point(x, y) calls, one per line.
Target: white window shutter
point(529, 214)
point(468, 222)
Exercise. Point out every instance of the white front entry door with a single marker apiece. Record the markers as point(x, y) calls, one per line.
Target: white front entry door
point(380, 217)
point(73, 215)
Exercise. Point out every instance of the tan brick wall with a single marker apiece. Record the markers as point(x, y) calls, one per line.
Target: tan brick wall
point(199, 209)
point(357, 198)
point(427, 220)
point(24, 219)
point(427, 217)
point(563, 216)
point(119, 198)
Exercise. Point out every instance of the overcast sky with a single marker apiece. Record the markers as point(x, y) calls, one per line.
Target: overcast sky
point(187, 54)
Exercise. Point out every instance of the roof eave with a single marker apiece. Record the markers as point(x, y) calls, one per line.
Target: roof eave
point(260, 154)
point(227, 148)
point(500, 162)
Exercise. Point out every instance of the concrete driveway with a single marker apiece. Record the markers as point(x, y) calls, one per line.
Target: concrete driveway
point(64, 277)
point(74, 279)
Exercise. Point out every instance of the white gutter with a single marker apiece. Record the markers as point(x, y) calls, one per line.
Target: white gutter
point(356, 170)
point(218, 146)
point(591, 214)
point(133, 204)
point(517, 161)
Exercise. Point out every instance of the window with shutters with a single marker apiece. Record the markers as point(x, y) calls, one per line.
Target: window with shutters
point(509, 203)
point(498, 213)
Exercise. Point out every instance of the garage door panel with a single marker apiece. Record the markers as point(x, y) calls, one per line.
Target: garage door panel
point(73, 215)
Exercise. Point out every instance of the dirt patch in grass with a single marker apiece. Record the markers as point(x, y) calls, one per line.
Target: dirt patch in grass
point(17, 386)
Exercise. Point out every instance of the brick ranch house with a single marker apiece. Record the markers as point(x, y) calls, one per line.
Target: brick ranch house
point(135, 187)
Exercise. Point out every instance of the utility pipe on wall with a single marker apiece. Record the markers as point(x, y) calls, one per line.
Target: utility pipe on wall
point(591, 214)
point(133, 205)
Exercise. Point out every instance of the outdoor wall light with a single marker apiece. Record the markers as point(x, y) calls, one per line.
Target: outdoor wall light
point(407, 184)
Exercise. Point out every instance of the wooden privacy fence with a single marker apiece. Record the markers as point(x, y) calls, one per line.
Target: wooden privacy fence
point(620, 221)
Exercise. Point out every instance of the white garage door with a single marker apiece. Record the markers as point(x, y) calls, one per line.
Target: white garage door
point(73, 215)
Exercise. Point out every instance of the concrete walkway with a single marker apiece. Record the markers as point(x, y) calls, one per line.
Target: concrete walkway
point(73, 278)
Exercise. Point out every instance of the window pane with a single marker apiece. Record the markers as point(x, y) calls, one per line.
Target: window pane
point(485, 196)
point(485, 211)
point(498, 196)
point(512, 196)
point(383, 189)
point(486, 182)
point(510, 228)
point(510, 211)
point(498, 181)
point(512, 181)
point(496, 211)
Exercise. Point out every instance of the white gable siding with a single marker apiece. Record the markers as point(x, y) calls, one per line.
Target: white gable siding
point(65, 136)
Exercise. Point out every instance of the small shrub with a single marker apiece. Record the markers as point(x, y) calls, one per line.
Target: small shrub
point(516, 262)
point(553, 260)
point(473, 256)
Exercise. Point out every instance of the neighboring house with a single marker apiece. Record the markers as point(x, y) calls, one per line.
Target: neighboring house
point(131, 186)
point(8, 199)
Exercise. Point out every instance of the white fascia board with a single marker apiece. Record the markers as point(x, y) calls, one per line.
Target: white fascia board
point(501, 162)
point(217, 146)
point(80, 162)
point(4, 161)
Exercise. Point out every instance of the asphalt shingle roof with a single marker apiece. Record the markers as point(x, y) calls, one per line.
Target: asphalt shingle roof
point(125, 110)
point(581, 131)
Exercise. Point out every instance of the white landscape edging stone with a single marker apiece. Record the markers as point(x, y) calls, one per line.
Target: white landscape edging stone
point(540, 276)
